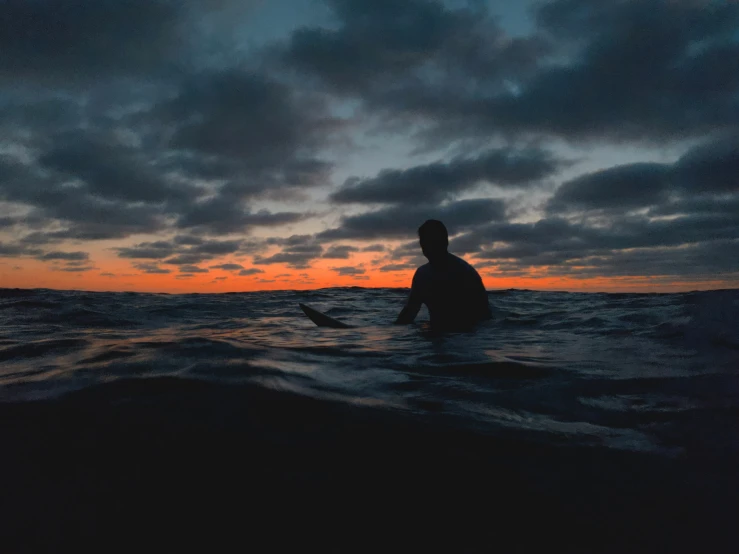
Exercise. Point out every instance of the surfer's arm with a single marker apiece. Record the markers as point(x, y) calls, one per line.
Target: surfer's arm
point(483, 300)
point(412, 307)
point(408, 313)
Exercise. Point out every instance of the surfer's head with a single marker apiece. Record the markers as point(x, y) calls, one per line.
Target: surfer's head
point(434, 239)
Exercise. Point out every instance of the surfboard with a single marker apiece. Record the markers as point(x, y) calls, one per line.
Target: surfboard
point(322, 320)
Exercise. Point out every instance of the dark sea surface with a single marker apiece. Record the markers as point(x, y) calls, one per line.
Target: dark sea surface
point(590, 422)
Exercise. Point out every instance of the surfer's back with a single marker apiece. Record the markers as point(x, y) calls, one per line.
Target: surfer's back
point(452, 291)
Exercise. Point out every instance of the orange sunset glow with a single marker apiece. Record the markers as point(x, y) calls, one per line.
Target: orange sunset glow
point(120, 276)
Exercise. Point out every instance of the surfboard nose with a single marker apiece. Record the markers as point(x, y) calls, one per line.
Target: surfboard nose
point(322, 320)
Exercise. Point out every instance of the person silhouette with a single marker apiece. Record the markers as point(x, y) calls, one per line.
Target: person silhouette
point(450, 287)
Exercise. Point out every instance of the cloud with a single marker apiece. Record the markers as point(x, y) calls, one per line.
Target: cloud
point(436, 182)
point(623, 187)
point(187, 252)
point(148, 118)
point(250, 271)
point(228, 267)
point(101, 177)
point(566, 247)
point(709, 169)
point(374, 248)
point(210, 112)
point(75, 269)
point(403, 221)
point(297, 251)
point(188, 240)
point(293, 259)
point(187, 259)
point(112, 170)
point(147, 250)
point(705, 261)
point(419, 39)
point(397, 267)
point(17, 250)
point(75, 38)
point(192, 269)
point(339, 252)
point(151, 268)
point(216, 247)
point(84, 215)
point(68, 256)
point(258, 137)
point(348, 271)
point(643, 70)
point(224, 215)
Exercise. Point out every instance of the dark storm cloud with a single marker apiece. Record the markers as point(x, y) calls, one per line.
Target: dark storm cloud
point(374, 248)
point(66, 256)
point(348, 271)
point(340, 252)
point(645, 69)
point(224, 215)
point(634, 69)
point(712, 167)
point(85, 215)
point(622, 187)
point(379, 44)
point(111, 170)
point(436, 182)
point(705, 176)
point(705, 205)
point(251, 124)
point(403, 221)
point(129, 175)
point(76, 38)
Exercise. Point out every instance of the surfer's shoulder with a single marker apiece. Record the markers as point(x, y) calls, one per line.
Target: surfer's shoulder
point(424, 270)
point(464, 265)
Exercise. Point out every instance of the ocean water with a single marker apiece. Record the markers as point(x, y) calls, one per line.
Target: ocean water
point(605, 421)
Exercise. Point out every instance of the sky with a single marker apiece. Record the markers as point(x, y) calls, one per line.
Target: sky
point(238, 145)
